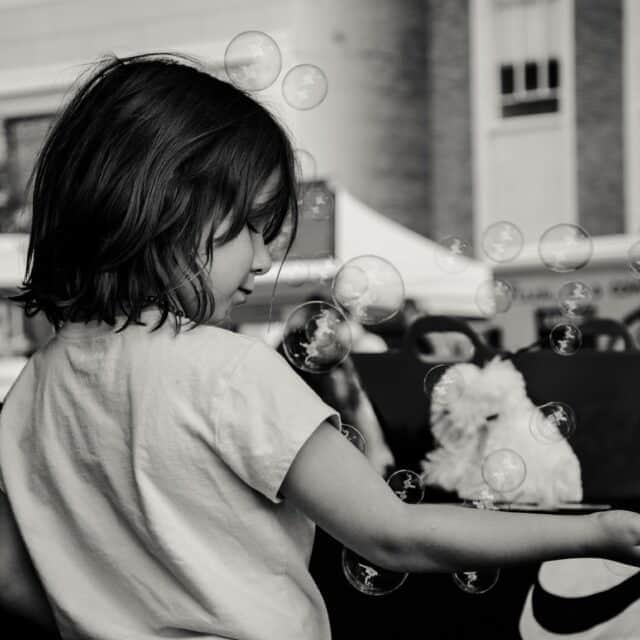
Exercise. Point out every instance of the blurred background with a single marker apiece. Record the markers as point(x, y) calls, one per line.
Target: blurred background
point(441, 118)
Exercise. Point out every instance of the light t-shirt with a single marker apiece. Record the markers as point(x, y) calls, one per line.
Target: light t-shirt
point(144, 468)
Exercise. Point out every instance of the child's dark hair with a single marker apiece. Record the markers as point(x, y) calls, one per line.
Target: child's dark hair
point(148, 151)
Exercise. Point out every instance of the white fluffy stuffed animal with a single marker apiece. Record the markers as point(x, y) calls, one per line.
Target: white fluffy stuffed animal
point(492, 411)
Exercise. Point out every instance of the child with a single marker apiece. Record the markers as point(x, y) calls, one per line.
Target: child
point(164, 472)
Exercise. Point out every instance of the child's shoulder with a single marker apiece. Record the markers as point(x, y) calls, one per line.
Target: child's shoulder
point(230, 350)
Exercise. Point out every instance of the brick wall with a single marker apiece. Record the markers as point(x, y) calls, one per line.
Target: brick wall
point(599, 115)
point(449, 122)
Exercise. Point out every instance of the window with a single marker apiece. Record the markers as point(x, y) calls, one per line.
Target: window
point(21, 141)
point(527, 56)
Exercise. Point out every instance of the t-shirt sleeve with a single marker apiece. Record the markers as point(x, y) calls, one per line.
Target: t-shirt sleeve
point(264, 418)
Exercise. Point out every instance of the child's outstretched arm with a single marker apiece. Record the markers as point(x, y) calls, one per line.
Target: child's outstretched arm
point(20, 589)
point(335, 486)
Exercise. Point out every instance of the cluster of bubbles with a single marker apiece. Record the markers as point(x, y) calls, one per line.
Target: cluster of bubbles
point(317, 336)
point(362, 574)
point(253, 62)
point(370, 290)
point(563, 248)
point(501, 242)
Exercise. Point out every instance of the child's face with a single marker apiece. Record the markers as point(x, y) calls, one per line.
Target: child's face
point(236, 263)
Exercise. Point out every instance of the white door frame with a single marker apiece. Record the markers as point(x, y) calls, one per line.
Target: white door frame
point(486, 121)
point(631, 136)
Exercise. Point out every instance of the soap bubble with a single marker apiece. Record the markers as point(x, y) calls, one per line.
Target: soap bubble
point(634, 258)
point(354, 437)
point(367, 577)
point(306, 167)
point(504, 470)
point(317, 337)
point(369, 288)
point(565, 338)
point(252, 61)
point(565, 247)
point(494, 296)
point(443, 385)
point(574, 298)
point(502, 241)
point(305, 86)
point(552, 422)
point(407, 485)
point(476, 581)
point(457, 256)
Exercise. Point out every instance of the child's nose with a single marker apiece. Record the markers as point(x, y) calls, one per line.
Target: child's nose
point(262, 260)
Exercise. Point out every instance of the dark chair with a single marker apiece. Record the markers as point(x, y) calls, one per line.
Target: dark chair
point(613, 331)
point(632, 322)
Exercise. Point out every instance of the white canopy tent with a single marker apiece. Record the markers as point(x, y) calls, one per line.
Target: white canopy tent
point(360, 230)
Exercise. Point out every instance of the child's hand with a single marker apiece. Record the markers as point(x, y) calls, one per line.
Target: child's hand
point(618, 535)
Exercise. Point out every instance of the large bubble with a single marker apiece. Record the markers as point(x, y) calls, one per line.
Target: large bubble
point(369, 288)
point(504, 470)
point(476, 581)
point(574, 298)
point(317, 337)
point(367, 577)
point(494, 296)
point(502, 241)
point(552, 422)
point(565, 338)
point(305, 86)
point(407, 485)
point(565, 247)
point(252, 61)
